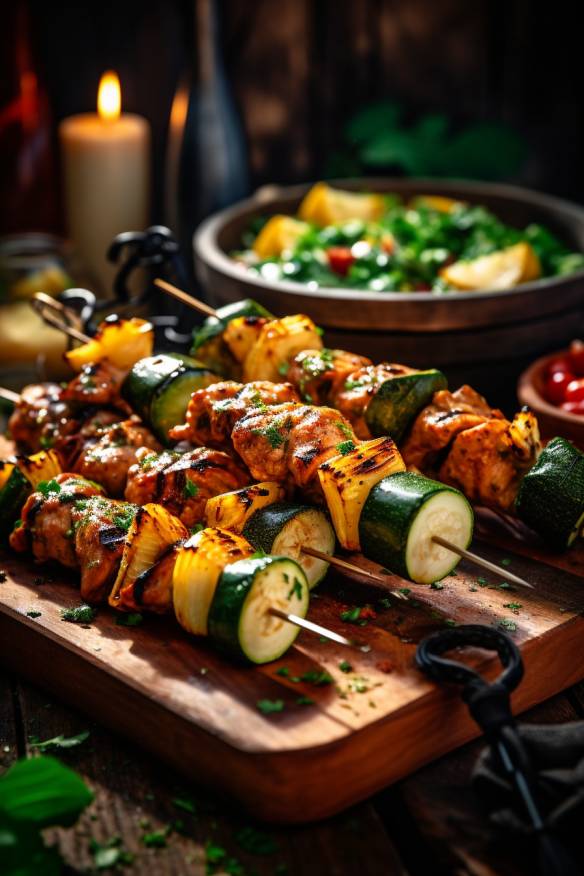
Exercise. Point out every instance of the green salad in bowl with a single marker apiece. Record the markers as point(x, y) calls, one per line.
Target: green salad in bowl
point(383, 243)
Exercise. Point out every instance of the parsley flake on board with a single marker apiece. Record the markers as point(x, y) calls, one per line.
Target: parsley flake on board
point(317, 677)
point(346, 447)
point(345, 666)
point(58, 741)
point(133, 619)
point(109, 854)
point(33, 613)
point(268, 707)
point(508, 625)
point(80, 614)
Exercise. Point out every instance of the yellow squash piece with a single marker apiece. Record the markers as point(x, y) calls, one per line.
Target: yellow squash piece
point(6, 469)
point(279, 234)
point(436, 202)
point(199, 565)
point(347, 480)
point(241, 333)
point(42, 466)
point(153, 532)
point(503, 269)
point(324, 205)
point(233, 510)
point(278, 342)
point(122, 343)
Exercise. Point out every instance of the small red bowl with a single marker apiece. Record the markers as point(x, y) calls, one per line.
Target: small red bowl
point(552, 420)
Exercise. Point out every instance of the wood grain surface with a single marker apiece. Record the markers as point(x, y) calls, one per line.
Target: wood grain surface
point(367, 729)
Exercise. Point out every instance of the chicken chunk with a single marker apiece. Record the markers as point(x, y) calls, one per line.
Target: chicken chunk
point(214, 410)
point(359, 387)
point(40, 417)
point(107, 457)
point(438, 424)
point(319, 375)
point(488, 461)
point(288, 442)
point(97, 383)
point(183, 482)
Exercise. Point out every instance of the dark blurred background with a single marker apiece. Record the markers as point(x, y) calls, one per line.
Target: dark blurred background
point(488, 89)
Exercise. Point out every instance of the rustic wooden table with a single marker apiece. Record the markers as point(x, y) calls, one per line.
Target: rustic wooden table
point(432, 816)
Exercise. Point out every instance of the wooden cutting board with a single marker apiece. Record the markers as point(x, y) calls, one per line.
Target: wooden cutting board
point(374, 724)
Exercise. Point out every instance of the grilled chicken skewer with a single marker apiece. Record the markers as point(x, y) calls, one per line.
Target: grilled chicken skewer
point(142, 559)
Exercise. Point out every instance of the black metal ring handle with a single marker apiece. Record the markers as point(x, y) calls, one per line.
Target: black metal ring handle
point(441, 669)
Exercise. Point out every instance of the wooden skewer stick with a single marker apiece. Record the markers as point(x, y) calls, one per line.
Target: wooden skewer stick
point(185, 298)
point(9, 396)
point(316, 628)
point(47, 307)
point(480, 561)
point(353, 567)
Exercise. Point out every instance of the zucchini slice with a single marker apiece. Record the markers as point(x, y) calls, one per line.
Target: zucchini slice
point(24, 477)
point(551, 494)
point(151, 534)
point(158, 389)
point(208, 344)
point(239, 618)
point(198, 567)
point(399, 400)
point(399, 519)
point(233, 510)
point(284, 528)
point(346, 481)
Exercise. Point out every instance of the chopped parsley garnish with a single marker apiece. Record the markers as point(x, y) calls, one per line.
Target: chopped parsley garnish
point(185, 804)
point(346, 447)
point(156, 839)
point(109, 854)
point(274, 438)
point(190, 489)
point(305, 701)
point(196, 528)
point(124, 519)
point(46, 442)
point(148, 461)
point(353, 384)
point(317, 677)
point(405, 590)
point(505, 561)
point(352, 615)
point(450, 623)
point(436, 585)
point(504, 585)
point(345, 429)
point(33, 613)
point(296, 589)
point(133, 619)
point(514, 606)
point(283, 672)
point(257, 402)
point(482, 582)
point(81, 614)
point(267, 707)
point(283, 369)
point(259, 555)
point(47, 487)
point(345, 666)
point(507, 624)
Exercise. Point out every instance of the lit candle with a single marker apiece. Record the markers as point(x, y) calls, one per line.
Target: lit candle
point(106, 167)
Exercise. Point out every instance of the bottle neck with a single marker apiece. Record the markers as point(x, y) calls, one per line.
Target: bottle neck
point(206, 40)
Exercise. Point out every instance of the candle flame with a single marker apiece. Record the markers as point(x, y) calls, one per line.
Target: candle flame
point(109, 98)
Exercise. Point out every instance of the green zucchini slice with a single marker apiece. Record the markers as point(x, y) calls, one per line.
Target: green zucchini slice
point(402, 514)
point(399, 400)
point(239, 621)
point(158, 389)
point(284, 528)
point(208, 339)
point(13, 495)
point(551, 495)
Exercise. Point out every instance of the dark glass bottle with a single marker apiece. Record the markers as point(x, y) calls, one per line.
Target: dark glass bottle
point(207, 158)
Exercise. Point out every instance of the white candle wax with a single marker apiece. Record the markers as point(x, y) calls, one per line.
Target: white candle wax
point(106, 169)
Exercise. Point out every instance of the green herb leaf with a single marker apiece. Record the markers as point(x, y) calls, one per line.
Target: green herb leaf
point(296, 589)
point(109, 854)
point(351, 615)
point(267, 707)
point(305, 701)
point(507, 624)
point(133, 619)
point(345, 666)
point(61, 742)
point(42, 792)
point(48, 487)
point(186, 804)
point(317, 677)
point(33, 613)
point(346, 447)
point(81, 614)
point(190, 489)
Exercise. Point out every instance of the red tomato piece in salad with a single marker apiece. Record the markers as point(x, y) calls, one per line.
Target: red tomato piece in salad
point(340, 259)
point(576, 358)
point(555, 388)
point(574, 407)
point(575, 390)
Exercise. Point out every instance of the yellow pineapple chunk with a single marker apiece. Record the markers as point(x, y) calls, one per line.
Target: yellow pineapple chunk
point(324, 205)
point(279, 234)
point(503, 269)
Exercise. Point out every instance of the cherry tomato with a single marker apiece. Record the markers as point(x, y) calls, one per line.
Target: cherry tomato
point(576, 357)
point(555, 388)
point(574, 407)
point(562, 363)
point(575, 390)
point(340, 259)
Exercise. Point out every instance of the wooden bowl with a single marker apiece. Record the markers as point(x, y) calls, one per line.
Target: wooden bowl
point(485, 338)
point(552, 420)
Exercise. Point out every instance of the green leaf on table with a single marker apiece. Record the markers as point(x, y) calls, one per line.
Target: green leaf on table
point(42, 792)
point(60, 742)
